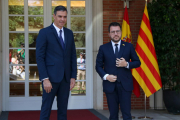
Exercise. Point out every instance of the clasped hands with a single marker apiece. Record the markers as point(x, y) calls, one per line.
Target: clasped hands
point(119, 63)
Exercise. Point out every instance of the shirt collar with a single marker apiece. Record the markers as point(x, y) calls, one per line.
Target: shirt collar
point(57, 29)
point(113, 44)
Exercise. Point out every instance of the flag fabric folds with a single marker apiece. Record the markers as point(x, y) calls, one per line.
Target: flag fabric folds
point(127, 37)
point(126, 32)
point(147, 75)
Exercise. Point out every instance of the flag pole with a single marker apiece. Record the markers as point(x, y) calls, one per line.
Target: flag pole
point(145, 117)
point(125, 2)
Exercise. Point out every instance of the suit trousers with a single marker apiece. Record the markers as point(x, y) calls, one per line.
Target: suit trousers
point(62, 91)
point(122, 97)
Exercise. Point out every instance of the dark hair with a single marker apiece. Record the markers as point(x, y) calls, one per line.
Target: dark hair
point(114, 24)
point(59, 8)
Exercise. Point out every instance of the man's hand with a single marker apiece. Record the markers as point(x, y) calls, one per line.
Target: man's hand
point(72, 84)
point(111, 78)
point(121, 62)
point(47, 85)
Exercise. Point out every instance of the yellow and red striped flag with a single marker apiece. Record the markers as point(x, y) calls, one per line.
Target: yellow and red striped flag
point(147, 75)
point(127, 37)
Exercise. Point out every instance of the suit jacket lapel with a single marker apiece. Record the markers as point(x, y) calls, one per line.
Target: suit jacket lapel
point(122, 46)
point(111, 51)
point(65, 38)
point(55, 33)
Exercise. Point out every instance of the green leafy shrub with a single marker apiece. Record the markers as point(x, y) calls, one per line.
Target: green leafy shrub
point(164, 18)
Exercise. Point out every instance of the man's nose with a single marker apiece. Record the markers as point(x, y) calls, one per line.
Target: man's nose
point(115, 33)
point(62, 18)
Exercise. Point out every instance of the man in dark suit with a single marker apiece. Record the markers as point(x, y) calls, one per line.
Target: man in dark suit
point(56, 61)
point(113, 65)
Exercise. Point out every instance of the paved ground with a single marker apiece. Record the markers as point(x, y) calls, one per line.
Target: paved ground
point(155, 114)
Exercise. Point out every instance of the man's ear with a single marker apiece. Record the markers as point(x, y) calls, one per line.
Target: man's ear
point(109, 34)
point(54, 15)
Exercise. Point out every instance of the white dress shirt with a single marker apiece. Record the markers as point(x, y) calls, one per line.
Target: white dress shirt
point(114, 47)
point(57, 30)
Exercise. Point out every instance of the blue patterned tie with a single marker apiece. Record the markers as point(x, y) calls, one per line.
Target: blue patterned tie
point(116, 50)
point(61, 40)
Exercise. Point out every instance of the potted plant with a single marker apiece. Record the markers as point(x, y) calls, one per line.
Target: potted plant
point(164, 18)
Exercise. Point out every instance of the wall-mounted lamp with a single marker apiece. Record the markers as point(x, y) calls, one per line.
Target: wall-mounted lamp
point(126, 2)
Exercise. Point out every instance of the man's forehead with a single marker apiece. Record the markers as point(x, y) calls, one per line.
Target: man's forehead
point(62, 13)
point(115, 28)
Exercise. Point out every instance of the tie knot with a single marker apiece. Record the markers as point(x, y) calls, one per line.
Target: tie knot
point(116, 45)
point(60, 31)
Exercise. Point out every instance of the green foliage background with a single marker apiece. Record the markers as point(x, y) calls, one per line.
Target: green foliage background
point(165, 24)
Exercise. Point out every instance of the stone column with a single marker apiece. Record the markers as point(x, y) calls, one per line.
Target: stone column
point(0, 56)
point(97, 41)
point(156, 100)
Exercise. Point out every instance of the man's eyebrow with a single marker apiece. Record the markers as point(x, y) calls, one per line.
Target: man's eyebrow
point(61, 16)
